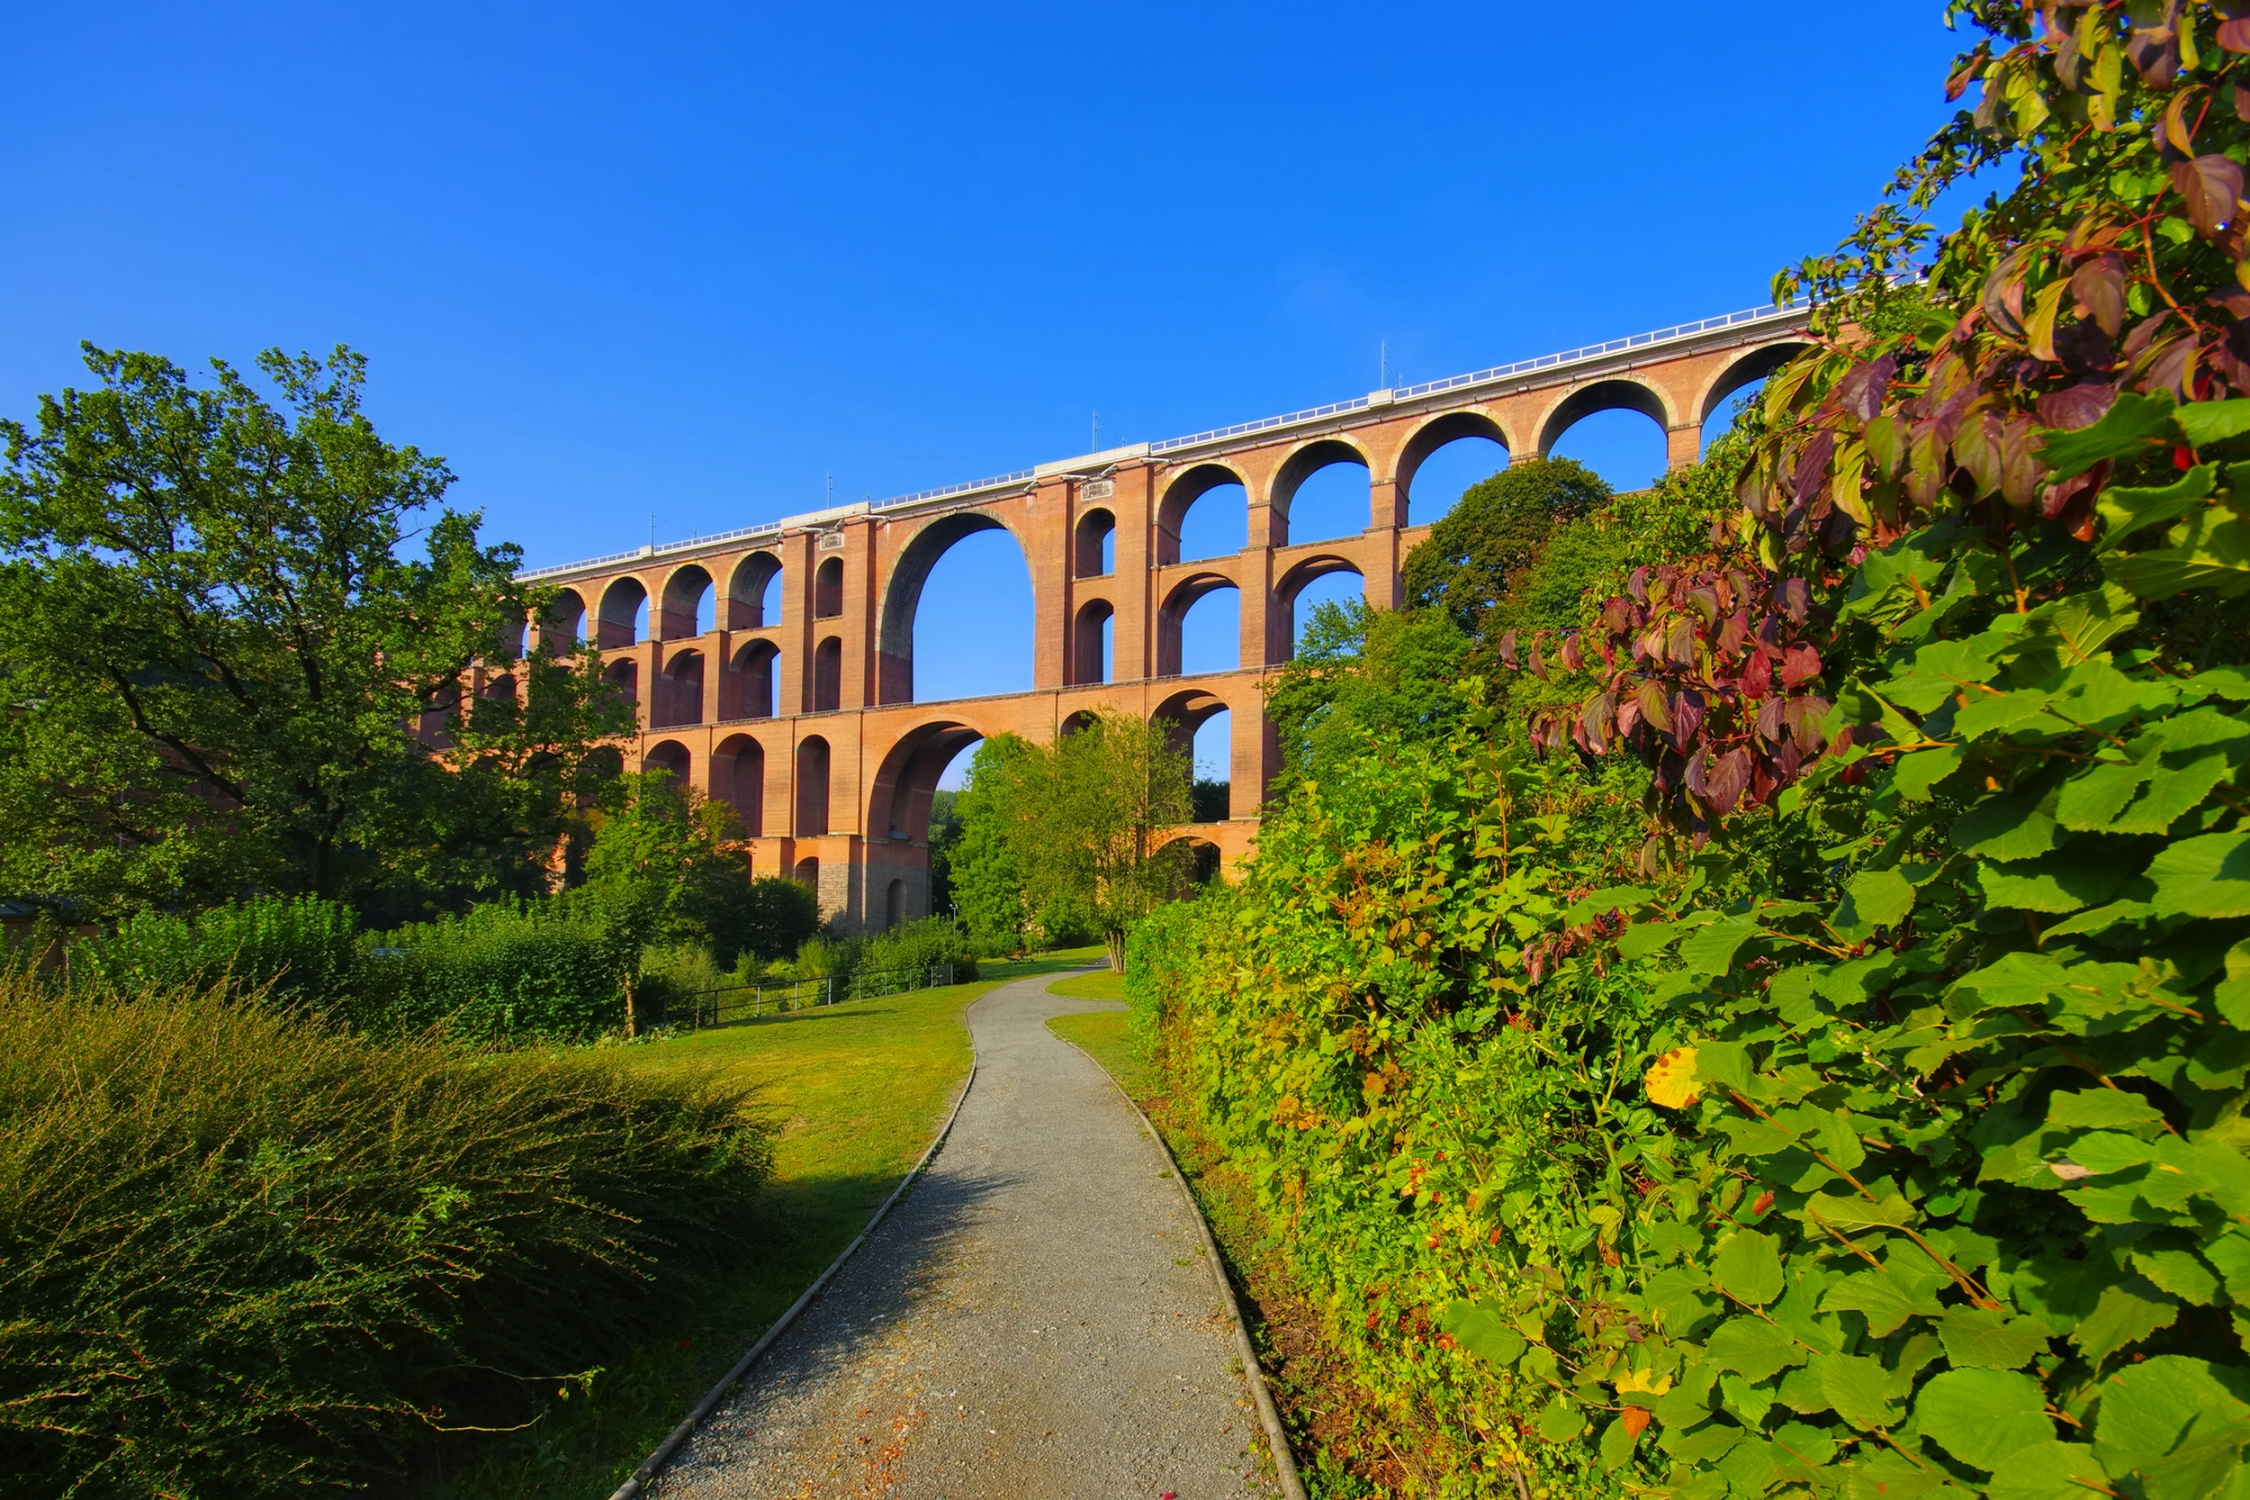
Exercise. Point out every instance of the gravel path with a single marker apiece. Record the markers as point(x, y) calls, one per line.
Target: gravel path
point(1036, 1319)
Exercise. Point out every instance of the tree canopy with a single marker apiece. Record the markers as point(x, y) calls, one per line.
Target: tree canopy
point(216, 649)
point(1496, 531)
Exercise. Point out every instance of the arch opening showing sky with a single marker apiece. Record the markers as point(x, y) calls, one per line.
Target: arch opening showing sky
point(973, 627)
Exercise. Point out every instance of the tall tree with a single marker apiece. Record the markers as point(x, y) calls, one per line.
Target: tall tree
point(1076, 826)
point(215, 655)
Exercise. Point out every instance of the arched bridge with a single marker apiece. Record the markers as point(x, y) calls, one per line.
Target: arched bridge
point(795, 703)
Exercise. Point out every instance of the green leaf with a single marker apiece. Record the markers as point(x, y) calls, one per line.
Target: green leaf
point(2212, 421)
point(1879, 898)
point(2179, 1272)
point(1644, 938)
point(1885, 1299)
point(1615, 898)
point(2093, 797)
point(2172, 795)
point(1753, 1348)
point(2123, 1316)
point(1994, 713)
point(2102, 1109)
point(1983, 1416)
point(1748, 1266)
point(2049, 1471)
point(1916, 774)
point(2063, 881)
point(1979, 1338)
point(2213, 553)
point(1711, 949)
point(1617, 1445)
point(1561, 1421)
point(2080, 624)
point(2108, 1151)
point(2203, 877)
point(2146, 1410)
point(2126, 511)
point(1857, 1387)
point(2007, 826)
point(2132, 423)
point(1478, 1329)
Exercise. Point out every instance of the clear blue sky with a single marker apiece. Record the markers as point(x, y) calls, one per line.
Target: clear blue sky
point(695, 260)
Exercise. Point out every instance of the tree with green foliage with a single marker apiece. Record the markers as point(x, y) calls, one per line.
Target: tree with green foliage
point(1054, 834)
point(985, 871)
point(1360, 673)
point(668, 865)
point(1495, 532)
point(215, 652)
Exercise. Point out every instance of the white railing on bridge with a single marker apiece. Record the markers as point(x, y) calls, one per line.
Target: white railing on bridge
point(1768, 312)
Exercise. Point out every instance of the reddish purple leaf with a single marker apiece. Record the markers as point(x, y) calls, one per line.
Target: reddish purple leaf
point(1598, 719)
point(1508, 650)
point(1861, 392)
point(1769, 720)
point(1687, 717)
point(2077, 406)
point(1724, 782)
point(1811, 473)
point(2098, 286)
point(1799, 663)
point(2235, 37)
point(1734, 633)
point(2155, 54)
point(1573, 659)
point(1793, 599)
point(2211, 186)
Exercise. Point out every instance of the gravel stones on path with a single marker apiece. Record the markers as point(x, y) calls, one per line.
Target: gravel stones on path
point(1037, 1318)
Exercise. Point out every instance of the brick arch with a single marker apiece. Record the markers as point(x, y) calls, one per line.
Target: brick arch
point(1755, 365)
point(622, 598)
point(561, 621)
point(1182, 490)
point(1617, 393)
point(746, 590)
point(738, 778)
point(898, 801)
point(680, 702)
point(1173, 608)
point(672, 756)
point(1435, 434)
point(753, 682)
point(684, 589)
point(902, 594)
point(1306, 460)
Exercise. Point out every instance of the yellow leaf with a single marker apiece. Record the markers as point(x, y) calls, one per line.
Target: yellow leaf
point(1671, 1081)
point(1647, 1382)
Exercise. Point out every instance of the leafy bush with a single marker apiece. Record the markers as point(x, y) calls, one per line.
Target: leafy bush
point(914, 947)
point(500, 971)
point(242, 1254)
point(1889, 1140)
point(300, 951)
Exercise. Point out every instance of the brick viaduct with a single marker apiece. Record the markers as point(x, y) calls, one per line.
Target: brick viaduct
point(802, 715)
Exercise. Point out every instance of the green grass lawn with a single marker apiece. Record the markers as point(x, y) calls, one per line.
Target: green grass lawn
point(857, 1091)
point(1101, 1032)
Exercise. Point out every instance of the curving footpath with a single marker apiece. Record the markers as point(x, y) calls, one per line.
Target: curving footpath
point(1037, 1318)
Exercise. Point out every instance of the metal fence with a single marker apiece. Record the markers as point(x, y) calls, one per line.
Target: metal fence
point(729, 1004)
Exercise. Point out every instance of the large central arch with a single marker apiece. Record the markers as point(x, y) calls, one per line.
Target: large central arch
point(902, 596)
